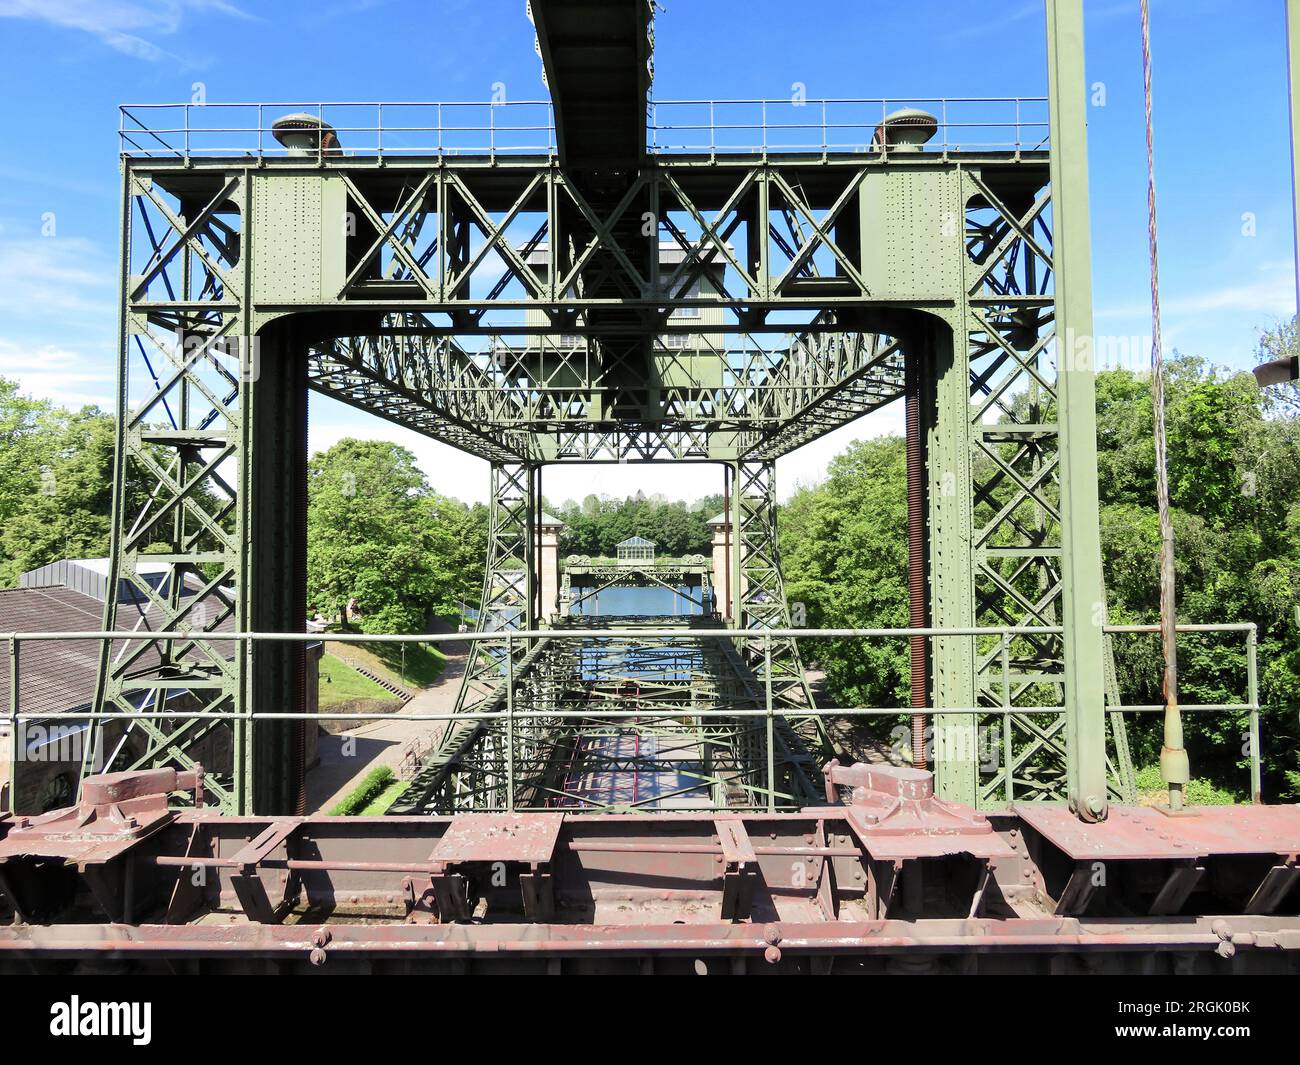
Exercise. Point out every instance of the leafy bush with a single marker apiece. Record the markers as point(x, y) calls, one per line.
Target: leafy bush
point(371, 786)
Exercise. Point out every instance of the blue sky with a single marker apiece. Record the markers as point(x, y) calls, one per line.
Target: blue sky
point(1223, 158)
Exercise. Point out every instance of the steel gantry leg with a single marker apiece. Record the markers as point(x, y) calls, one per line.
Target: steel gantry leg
point(1082, 614)
point(1011, 455)
point(184, 535)
point(801, 738)
point(472, 765)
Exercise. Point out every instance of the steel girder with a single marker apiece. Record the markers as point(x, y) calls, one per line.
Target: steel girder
point(598, 65)
point(542, 402)
point(877, 869)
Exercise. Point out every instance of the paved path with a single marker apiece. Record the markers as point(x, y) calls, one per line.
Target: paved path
point(376, 743)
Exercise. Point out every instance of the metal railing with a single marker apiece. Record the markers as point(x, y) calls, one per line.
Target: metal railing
point(1003, 638)
point(794, 124)
point(187, 131)
point(526, 127)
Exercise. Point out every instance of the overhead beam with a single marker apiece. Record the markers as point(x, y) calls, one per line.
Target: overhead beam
point(596, 62)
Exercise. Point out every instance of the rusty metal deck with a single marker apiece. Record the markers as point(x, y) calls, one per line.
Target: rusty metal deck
point(883, 872)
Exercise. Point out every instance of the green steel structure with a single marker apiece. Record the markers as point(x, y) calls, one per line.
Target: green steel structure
point(657, 753)
point(499, 281)
point(688, 579)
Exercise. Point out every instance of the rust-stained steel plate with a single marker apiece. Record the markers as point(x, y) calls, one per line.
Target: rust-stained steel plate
point(73, 848)
point(500, 838)
point(1140, 832)
point(896, 815)
point(921, 842)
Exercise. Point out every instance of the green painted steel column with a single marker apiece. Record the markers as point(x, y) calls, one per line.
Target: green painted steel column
point(1293, 71)
point(737, 593)
point(1083, 614)
point(942, 345)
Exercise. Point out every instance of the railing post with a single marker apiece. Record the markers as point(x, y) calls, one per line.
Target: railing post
point(1006, 714)
point(13, 723)
point(771, 730)
point(243, 733)
point(1252, 697)
point(510, 723)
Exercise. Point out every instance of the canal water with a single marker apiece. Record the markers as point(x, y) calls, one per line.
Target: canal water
point(654, 601)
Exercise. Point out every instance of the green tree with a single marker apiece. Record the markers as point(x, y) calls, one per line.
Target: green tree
point(1234, 471)
point(379, 535)
point(55, 482)
point(844, 552)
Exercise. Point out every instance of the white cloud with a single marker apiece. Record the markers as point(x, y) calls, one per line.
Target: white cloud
point(119, 23)
point(69, 378)
point(1273, 293)
point(43, 280)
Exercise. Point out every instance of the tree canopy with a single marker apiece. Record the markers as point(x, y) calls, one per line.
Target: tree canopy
point(596, 526)
point(377, 533)
point(56, 482)
point(1234, 469)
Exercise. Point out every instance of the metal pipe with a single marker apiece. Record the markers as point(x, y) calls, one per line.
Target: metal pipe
point(614, 634)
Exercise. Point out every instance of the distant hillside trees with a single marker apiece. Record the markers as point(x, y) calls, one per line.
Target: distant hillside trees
point(596, 526)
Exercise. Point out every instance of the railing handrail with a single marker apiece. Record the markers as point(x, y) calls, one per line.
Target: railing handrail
point(761, 706)
point(566, 633)
point(1018, 123)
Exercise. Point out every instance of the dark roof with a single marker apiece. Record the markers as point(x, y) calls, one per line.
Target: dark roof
point(52, 676)
point(57, 676)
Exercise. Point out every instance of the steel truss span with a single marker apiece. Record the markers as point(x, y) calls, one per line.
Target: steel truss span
point(669, 743)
